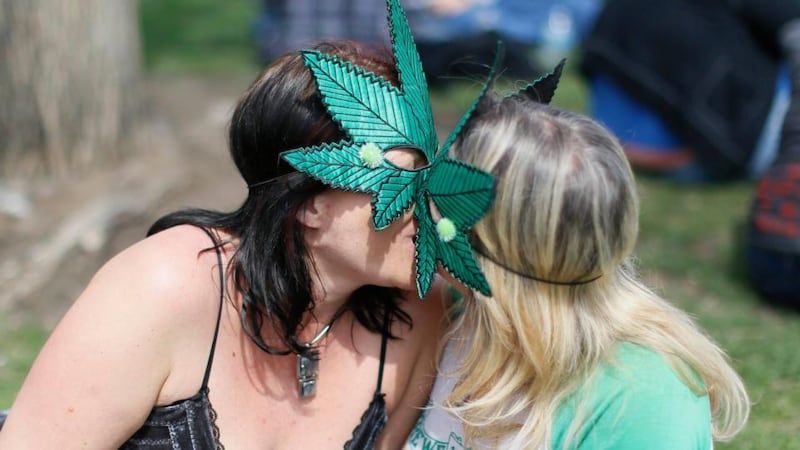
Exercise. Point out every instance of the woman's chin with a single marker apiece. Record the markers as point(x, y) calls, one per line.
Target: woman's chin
point(407, 284)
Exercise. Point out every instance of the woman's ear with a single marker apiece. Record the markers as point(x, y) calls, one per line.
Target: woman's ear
point(311, 214)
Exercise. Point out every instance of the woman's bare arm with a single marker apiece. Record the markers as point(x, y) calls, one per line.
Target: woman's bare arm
point(102, 369)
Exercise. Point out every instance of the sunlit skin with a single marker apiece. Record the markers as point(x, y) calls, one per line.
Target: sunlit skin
point(151, 312)
point(347, 247)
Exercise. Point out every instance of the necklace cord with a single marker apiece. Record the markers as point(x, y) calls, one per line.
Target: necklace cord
point(321, 334)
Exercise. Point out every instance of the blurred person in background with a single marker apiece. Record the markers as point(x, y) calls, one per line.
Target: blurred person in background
point(284, 25)
point(696, 90)
point(571, 350)
point(289, 315)
point(773, 252)
point(457, 38)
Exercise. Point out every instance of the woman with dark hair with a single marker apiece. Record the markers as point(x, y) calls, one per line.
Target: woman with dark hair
point(287, 314)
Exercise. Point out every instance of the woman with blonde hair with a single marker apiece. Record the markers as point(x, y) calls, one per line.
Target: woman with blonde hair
point(572, 350)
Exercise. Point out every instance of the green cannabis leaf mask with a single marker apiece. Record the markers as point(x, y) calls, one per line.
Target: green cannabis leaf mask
point(377, 117)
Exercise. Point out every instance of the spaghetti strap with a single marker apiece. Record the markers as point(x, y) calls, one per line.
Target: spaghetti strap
point(386, 322)
point(219, 312)
point(365, 435)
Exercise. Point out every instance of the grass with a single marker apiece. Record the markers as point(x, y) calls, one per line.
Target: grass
point(19, 344)
point(689, 246)
point(198, 36)
point(690, 249)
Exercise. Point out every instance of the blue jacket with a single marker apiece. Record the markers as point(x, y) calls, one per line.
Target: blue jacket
point(708, 67)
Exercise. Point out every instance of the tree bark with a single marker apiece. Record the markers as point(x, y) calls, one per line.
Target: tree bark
point(69, 81)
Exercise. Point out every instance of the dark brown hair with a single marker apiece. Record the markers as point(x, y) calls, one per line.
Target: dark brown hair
point(280, 111)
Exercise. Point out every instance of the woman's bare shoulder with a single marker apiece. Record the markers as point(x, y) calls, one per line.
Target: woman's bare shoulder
point(160, 290)
point(116, 347)
point(166, 270)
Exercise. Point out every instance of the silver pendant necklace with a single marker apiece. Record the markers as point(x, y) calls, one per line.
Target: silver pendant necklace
point(308, 365)
point(308, 361)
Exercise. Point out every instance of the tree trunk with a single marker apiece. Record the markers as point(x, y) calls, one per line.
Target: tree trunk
point(69, 73)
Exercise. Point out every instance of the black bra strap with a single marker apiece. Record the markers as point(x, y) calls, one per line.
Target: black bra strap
point(219, 313)
point(384, 339)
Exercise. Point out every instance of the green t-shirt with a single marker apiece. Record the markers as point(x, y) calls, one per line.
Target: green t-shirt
point(637, 403)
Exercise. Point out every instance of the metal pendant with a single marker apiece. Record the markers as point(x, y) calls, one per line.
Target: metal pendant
point(307, 370)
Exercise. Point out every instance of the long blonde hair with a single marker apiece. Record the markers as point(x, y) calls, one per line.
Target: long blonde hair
point(566, 211)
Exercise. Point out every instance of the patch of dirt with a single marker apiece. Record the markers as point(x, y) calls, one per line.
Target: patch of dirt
point(180, 159)
point(76, 224)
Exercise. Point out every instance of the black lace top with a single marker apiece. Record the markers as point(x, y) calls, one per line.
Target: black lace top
point(190, 424)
